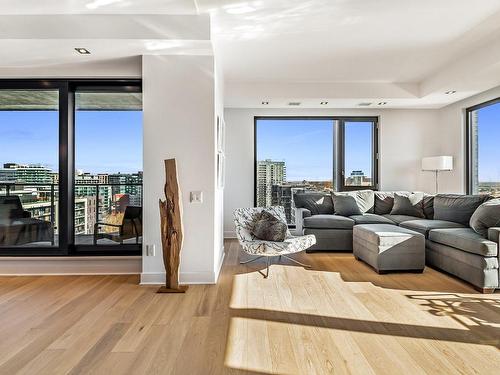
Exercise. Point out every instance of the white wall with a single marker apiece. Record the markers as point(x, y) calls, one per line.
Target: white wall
point(179, 113)
point(451, 122)
point(405, 137)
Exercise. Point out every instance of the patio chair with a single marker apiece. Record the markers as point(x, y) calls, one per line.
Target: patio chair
point(130, 227)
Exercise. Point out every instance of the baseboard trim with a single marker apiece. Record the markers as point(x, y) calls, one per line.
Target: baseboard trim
point(230, 234)
point(57, 266)
point(158, 278)
point(219, 266)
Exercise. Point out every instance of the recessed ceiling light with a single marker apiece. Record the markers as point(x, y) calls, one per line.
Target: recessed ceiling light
point(265, 103)
point(82, 51)
point(323, 103)
point(382, 103)
point(450, 92)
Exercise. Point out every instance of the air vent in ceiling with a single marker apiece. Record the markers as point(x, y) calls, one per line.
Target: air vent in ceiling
point(364, 104)
point(294, 103)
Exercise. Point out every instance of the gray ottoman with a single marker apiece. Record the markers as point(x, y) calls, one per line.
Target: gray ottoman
point(388, 247)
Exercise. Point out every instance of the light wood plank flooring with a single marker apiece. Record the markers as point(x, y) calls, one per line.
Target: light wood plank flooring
point(339, 317)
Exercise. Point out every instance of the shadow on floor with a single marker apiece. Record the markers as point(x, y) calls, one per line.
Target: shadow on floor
point(472, 335)
point(351, 270)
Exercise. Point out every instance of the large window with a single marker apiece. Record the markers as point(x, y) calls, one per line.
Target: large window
point(483, 132)
point(70, 167)
point(322, 154)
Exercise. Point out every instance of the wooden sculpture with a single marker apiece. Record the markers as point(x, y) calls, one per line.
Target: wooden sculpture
point(171, 230)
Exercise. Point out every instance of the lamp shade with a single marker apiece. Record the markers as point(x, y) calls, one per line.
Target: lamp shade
point(437, 163)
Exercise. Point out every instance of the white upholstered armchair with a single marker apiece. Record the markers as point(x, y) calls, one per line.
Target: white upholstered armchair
point(244, 219)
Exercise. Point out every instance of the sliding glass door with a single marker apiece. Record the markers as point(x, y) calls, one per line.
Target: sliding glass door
point(108, 167)
point(29, 168)
point(70, 167)
point(294, 154)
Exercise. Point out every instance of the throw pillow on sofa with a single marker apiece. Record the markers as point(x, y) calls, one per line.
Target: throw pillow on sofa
point(486, 216)
point(345, 205)
point(317, 203)
point(408, 204)
point(365, 200)
point(268, 227)
point(457, 208)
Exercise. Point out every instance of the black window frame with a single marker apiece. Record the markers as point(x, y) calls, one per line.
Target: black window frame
point(468, 141)
point(338, 172)
point(67, 88)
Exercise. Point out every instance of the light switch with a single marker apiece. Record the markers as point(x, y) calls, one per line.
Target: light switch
point(150, 250)
point(196, 197)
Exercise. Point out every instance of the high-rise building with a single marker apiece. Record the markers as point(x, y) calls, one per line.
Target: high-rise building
point(127, 184)
point(282, 195)
point(28, 173)
point(358, 178)
point(269, 173)
point(86, 185)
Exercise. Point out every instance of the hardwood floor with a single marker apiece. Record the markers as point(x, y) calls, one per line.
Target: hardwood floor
point(338, 317)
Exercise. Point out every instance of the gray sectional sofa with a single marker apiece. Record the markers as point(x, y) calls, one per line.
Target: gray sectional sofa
point(451, 244)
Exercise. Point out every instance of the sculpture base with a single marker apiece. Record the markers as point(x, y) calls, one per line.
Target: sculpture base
point(180, 289)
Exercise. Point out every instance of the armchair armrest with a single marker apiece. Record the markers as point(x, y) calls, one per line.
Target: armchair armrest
point(300, 215)
point(494, 234)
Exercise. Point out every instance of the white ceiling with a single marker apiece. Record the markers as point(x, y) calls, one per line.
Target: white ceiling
point(405, 52)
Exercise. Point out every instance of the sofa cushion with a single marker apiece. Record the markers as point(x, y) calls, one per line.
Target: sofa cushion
point(317, 203)
point(328, 222)
point(486, 216)
point(371, 219)
point(365, 199)
point(408, 204)
point(464, 239)
point(398, 219)
point(457, 208)
point(428, 203)
point(424, 226)
point(345, 205)
point(473, 260)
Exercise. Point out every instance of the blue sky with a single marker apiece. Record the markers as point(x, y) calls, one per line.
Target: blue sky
point(489, 149)
point(106, 141)
point(307, 147)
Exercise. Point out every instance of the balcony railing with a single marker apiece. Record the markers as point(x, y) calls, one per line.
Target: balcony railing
point(40, 200)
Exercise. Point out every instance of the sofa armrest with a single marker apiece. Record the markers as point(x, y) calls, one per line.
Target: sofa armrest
point(300, 214)
point(494, 234)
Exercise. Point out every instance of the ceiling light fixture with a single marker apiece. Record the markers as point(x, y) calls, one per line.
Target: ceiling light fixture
point(450, 92)
point(82, 51)
point(265, 103)
point(382, 103)
point(323, 103)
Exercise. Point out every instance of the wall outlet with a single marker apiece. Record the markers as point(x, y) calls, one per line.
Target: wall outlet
point(196, 197)
point(150, 250)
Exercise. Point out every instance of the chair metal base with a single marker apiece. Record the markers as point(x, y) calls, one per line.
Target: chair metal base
point(268, 262)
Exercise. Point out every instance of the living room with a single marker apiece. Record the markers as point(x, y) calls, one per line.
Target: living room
point(327, 173)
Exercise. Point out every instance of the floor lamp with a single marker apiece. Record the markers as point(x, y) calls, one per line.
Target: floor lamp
point(437, 164)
